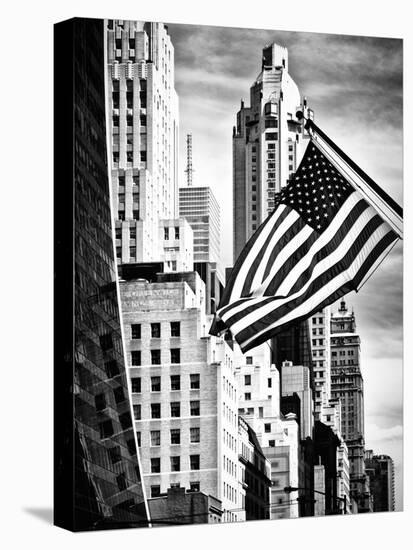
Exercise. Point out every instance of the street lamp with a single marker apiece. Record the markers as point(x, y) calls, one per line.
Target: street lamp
point(343, 499)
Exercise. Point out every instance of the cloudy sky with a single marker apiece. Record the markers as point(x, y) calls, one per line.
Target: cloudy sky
point(354, 85)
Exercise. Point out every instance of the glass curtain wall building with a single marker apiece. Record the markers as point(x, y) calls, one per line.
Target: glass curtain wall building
point(97, 483)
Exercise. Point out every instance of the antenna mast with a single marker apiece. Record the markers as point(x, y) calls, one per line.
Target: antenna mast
point(189, 170)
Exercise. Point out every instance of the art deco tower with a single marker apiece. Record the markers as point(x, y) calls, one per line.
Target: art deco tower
point(268, 143)
point(347, 385)
point(143, 107)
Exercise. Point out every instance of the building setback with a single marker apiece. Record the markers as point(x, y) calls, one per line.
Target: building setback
point(183, 391)
point(98, 480)
point(380, 469)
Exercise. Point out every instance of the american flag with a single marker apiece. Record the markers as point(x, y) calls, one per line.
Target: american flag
point(322, 241)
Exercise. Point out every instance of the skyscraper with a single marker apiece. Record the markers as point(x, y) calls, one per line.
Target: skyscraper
point(200, 208)
point(347, 385)
point(319, 325)
point(380, 469)
point(97, 482)
point(268, 143)
point(143, 124)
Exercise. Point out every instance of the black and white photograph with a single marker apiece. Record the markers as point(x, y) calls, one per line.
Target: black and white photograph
point(228, 363)
point(212, 302)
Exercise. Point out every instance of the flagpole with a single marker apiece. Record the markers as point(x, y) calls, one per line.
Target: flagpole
point(391, 203)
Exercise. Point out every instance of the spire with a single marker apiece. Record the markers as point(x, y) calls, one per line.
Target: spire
point(189, 170)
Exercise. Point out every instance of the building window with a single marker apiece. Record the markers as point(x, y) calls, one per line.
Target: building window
point(135, 358)
point(249, 360)
point(155, 383)
point(176, 233)
point(106, 429)
point(175, 437)
point(194, 462)
point(155, 465)
point(106, 341)
point(175, 382)
point(175, 355)
point(267, 428)
point(119, 394)
point(269, 382)
point(137, 412)
point(100, 402)
point(175, 463)
point(155, 356)
point(155, 330)
point(155, 491)
point(121, 481)
point(111, 368)
point(155, 438)
point(271, 123)
point(114, 454)
point(136, 332)
point(194, 486)
point(195, 434)
point(155, 410)
point(194, 381)
point(195, 408)
point(271, 136)
point(166, 233)
point(175, 408)
point(175, 328)
point(131, 446)
point(247, 380)
point(247, 397)
point(136, 384)
point(125, 420)
point(138, 438)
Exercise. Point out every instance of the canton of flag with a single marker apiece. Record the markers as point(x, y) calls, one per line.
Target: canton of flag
point(322, 241)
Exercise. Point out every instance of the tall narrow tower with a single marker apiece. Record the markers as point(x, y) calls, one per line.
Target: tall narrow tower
point(143, 125)
point(268, 143)
point(189, 169)
point(347, 385)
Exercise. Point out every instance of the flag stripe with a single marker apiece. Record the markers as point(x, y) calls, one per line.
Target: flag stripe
point(343, 239)
point(322, 241)
point(356, 222)
point(250, 338)
point(295, 229)
point(241, 269)
point(344, 222)
point(341, 259)
point(282, 224)
point(249, 248)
